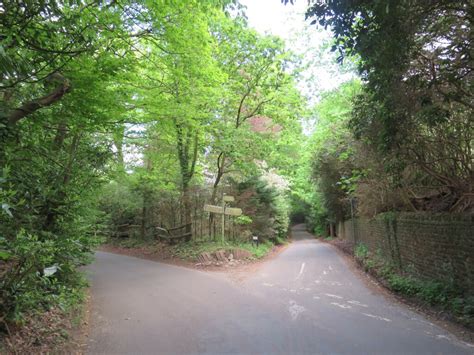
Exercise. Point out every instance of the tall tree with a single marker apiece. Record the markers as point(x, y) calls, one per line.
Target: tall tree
point(256, 70)
point(416, 63)
point(180, 87)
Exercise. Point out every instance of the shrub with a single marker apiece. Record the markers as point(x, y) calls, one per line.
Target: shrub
point(361, 251)
point(40, 272)
point(268, 207)
point(120, 204)
point(47, 230)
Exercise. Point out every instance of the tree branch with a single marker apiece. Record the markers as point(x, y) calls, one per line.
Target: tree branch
point(29, 107)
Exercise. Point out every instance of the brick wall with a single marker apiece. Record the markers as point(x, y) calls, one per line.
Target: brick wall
point(430, 246)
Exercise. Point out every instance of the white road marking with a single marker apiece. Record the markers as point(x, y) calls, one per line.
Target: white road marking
point(345, 306)
point(316, 297)
point(333, 296)
point(301, 271)
point(295, 310)
point(330, 268)
point(357, 303)
point(267, 284)
point(325, 272)
point(377, 317)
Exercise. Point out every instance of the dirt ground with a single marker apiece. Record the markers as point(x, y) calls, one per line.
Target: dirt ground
point(53, 332)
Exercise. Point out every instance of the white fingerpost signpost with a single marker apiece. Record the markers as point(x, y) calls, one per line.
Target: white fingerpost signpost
point(223, 210)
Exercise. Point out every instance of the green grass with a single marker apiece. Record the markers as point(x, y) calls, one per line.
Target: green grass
point(361, 251)
point(191, 250)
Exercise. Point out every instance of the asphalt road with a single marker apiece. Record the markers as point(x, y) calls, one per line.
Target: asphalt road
point(305, 301)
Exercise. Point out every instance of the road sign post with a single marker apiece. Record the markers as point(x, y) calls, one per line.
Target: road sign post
point(223, 219)
point(256, 240)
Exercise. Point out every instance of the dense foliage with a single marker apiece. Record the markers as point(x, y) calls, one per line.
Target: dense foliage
point(267, 205)
point(407, 140)
point(52, 156)
point(119, 117)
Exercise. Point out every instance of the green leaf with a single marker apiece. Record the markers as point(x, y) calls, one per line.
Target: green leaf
point(5, 255)
point(6, 209)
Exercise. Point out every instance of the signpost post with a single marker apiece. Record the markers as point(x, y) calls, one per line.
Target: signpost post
point(256, 240)
point(223, 219)
point(224, 211)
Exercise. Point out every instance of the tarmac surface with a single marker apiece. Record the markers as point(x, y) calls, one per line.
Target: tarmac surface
point(306, 300)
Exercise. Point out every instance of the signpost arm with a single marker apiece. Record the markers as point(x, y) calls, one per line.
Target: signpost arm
point(224, 211)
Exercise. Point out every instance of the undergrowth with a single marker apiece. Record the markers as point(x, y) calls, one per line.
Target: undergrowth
point(431, 292)
point(191, 250)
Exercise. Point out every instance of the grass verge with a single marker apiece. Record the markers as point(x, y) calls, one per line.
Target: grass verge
point(191, 250)
point(443, 295)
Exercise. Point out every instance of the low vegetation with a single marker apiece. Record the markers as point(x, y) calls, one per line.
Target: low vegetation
point(191, 251)
point(440, 294)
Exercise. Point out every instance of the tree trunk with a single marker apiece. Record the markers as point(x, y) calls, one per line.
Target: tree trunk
point(186, 141)
point(118, 142)
point(331, 229)
point(144, 216)
point(187, 208)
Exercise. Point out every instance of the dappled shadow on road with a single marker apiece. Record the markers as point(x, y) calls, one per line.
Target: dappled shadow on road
point(298, 232)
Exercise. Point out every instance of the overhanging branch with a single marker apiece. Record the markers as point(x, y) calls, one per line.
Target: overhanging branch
point(63, 86)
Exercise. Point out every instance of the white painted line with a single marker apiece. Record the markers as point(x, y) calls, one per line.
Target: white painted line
point(357, 303)
point(345, 306)
point(333, 296)
point(301, 271)
point(376, 317)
